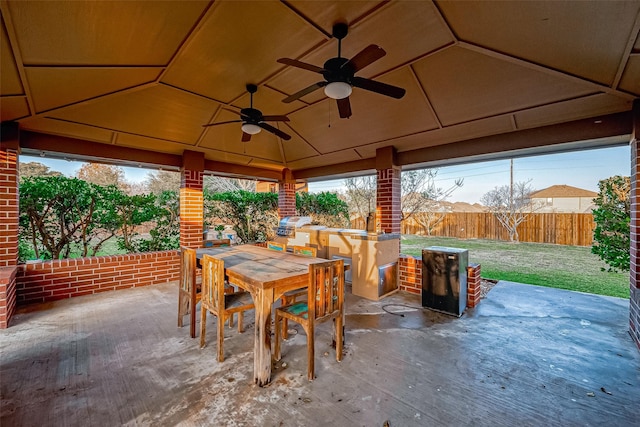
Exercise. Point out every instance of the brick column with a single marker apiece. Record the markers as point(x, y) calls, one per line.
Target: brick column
point(634, 277)
point(9, 212)
point(286, 195)
point(388, 192)
point(191, 201)
point(473, 285)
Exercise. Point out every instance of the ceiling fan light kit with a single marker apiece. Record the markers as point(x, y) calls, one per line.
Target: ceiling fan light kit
point(338, 90)
point(250, 128)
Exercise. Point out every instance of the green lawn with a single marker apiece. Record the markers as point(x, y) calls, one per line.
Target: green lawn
point(566, 267)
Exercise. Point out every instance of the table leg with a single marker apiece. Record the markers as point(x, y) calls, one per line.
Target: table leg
point(263, 301)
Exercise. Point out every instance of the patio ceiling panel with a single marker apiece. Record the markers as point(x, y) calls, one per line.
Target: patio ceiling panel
point(587, 41)
point(56, 87)
point(472, 129)
point(159, 111)
point(465, 85)
point(574, 109)
point(74, 130)
point(630, 81)
point(152, 144)
point(337, 158)
point(9, 78)
point(238, 44)
point(68, 33)
point(13, 108)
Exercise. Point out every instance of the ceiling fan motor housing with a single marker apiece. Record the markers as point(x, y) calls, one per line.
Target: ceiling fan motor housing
point(335, 72)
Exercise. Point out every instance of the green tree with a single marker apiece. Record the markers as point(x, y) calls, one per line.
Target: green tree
point(59, 214)
point(36, 169)
point(324, 208)
point(254, 216)
point(165, 235)
point(611, 236)
point(104, 175)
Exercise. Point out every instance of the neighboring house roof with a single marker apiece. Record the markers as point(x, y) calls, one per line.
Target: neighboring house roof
point(562, 191)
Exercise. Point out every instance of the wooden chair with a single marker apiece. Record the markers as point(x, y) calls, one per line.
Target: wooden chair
point(221, 304)
point(325, 300)
point(188, 293)
point(276, 246)
point(217, 243)
point(305, 250)
point(293, 296)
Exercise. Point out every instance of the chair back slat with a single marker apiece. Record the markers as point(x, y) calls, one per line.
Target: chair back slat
point(212, 283)
point(276, 246)
point(326, 288)
point(187, 269)
point(305, 251)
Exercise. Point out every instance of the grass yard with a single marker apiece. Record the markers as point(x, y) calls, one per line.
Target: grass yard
point(565, 267)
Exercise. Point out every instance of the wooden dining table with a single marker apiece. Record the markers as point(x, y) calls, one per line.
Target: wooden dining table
point(267, 275)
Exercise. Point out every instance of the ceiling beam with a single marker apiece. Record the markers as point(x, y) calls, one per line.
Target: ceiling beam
point(65, 147)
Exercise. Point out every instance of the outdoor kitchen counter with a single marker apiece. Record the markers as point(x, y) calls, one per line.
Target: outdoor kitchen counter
point(376, 236)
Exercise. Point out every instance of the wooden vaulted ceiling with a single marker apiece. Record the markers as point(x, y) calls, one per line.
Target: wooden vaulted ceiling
point(480, 78)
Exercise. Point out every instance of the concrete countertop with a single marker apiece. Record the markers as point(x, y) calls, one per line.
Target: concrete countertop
point(376, 236)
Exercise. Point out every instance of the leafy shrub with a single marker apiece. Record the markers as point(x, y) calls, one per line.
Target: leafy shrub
point(612, 216)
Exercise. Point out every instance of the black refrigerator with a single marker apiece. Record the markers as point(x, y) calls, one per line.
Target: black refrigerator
point(444, 279)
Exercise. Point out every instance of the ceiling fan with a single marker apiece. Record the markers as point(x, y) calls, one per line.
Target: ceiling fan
point(253, 121)
point(339, 74)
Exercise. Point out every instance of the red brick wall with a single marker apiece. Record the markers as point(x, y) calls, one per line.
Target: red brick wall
point(388, 205)
point(8, 208)
point(410, 278)
point(286, 199)
point(7, 295)
point(8, 233)
point(60, 279)
point(634, 277)
point(191, 209)
point(410, 274)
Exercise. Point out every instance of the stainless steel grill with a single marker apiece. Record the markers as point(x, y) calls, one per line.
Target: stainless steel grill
point(288, 225)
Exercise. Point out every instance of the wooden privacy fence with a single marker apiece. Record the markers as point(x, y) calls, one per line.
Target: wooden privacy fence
point(573, 229)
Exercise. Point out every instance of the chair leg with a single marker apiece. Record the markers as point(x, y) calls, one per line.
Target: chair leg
point(276, 350)
point(338, 322)
point(231, 321)
point(285, 323)
point(221, 320)
point(310, 351)
point(240, 321)
point(203, 325)
point(192, 327)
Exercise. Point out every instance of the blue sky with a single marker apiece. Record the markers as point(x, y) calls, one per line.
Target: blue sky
point(582, 169)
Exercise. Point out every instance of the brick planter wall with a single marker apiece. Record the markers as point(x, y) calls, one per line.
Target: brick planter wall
point(60, 279)
point(410, 278)
point(410, 274)
point(7, 295)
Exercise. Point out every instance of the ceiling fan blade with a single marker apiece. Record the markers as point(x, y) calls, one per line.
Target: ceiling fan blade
point(378, 87)
point(274, 131)
point(304, 92)
point(366, 56)
point(275, 118)
point(300, 64)
point(221, 123)
point(246, 137)
point(344, 108)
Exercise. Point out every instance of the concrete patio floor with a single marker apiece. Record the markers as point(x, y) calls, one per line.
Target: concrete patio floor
point(527, 356)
